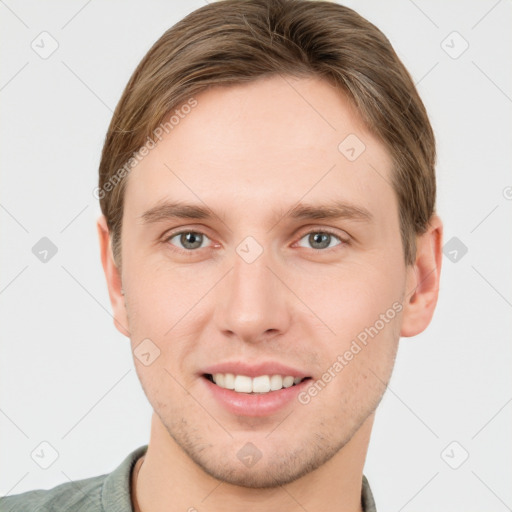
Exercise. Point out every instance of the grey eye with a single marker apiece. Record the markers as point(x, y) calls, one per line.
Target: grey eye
point(189, 240)
point(320, 240)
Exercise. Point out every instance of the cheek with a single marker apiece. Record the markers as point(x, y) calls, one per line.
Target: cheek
point(165, 305)
point(159, 294)
point(363, 309)
point(348, 300)
point(357, 363)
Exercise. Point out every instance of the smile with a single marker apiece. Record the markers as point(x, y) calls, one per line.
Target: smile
point(260, 384)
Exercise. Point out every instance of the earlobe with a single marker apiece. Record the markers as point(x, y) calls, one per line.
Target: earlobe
point(423, 280)
point(113, 277)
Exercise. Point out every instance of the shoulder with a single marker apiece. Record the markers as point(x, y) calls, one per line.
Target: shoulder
point(82, 495)
point(103, 493)
point(367, 500)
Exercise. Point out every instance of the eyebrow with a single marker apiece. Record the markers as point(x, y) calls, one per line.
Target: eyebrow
point(332, 210)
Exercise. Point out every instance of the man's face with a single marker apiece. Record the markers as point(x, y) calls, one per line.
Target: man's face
point(255, 284)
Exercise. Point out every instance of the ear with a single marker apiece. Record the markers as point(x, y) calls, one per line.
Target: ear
point(113, 276)
point(423, 280)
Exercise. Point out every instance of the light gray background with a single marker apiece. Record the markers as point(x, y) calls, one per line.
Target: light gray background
point(67, 377)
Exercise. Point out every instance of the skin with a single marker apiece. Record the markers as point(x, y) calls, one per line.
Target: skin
point(247, 152)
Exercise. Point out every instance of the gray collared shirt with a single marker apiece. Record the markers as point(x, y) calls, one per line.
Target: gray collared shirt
point(104, 493)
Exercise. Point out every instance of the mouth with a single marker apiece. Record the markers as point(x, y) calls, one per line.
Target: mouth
point(258, 385)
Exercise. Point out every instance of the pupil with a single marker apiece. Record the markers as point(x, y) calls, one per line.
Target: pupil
point(321, 240)
point(191, 240)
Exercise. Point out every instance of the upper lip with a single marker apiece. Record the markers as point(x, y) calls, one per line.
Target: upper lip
point(254, 369)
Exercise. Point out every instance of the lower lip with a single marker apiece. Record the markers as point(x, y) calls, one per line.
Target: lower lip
point(255, 404)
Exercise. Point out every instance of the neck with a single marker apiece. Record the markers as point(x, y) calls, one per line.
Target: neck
point(170, 481)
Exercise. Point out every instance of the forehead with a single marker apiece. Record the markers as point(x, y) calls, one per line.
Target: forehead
point(264, 146)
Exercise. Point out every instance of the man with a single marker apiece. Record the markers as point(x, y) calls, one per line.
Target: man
point(268, 234)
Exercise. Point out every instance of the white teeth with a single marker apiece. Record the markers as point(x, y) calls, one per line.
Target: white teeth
point(229, 381)
point(243, 384)
point(287, 382)
point(276, 382)
point(260, 384)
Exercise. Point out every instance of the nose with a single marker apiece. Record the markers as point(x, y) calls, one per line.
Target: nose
point(252, 304)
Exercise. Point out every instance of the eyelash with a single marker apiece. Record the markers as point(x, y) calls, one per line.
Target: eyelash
point(191, 252)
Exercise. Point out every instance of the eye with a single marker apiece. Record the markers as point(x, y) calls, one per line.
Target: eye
point(321, 240)
point(188, 240)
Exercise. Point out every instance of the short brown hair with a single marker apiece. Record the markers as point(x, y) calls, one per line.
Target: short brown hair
point(236, 41)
